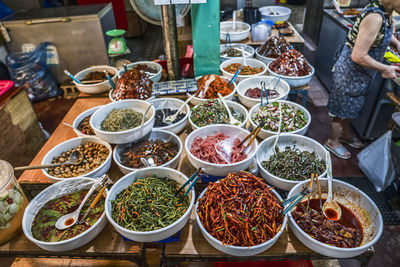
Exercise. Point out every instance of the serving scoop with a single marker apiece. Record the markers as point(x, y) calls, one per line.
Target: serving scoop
point(331, 209)
point(75, 158)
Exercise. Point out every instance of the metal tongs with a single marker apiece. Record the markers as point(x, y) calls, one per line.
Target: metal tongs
point(195, 176)
point(101, 187)
point(293, 201)
point(253, 133)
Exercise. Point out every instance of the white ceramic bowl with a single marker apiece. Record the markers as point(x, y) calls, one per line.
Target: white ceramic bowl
point(241, 33)
point(283, 13)
point(249, 51)
point(54, 191)
point(197, 100)
point(282, 87)
point(294, 81)
point(114, 100)
point(266, 60)
point(172, 103)
point(265, 151)
point(220, 169)
point(235, 106)
point(154, 65)
point(359, 203)
point(70, 144)
point(126, 136)
point(150, 236)
point(266, 133)
point(255, 63)
point(80, 117)
point(236, 250)
point(155, 134)
point(96, 88)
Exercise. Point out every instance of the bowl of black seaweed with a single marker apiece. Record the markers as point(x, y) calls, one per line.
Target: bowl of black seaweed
point(168, 107)
point(55, 201)
point(296, 158)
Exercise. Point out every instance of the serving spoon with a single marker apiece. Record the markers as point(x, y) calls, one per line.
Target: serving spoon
point(331, 209)
point(279, 128)
point(232, 119)
point(75, 158)
point(171, 118)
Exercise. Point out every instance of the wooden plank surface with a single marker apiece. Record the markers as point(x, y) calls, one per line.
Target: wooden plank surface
point(394, 98)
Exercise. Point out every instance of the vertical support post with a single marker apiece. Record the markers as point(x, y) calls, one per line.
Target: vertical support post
point(205, 32)
point(170, 41)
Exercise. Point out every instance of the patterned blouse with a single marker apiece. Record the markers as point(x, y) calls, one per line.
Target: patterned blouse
point(352, 35)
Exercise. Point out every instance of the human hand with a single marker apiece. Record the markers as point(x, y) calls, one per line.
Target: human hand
point(391, 72)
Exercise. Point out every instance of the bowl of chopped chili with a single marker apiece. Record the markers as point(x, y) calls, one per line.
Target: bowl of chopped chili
point(253, 67)
point(250, 94)
point(155, 212)
point(295, 118)
point(358, 229)
point(82, 122)
point(210, 85)
point(95, 74)
point(56, 201)
point(165, 148)
point(240, 215)
point(296, 158)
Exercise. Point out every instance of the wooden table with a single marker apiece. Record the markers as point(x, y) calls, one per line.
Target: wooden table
point(191, 247)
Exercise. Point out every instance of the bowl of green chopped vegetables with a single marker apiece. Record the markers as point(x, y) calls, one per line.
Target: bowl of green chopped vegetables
point(146, 206)
point(214, 112)
point(296, 158)
point(295, 118)
point(120, 122)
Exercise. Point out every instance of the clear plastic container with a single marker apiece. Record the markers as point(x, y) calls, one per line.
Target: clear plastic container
point(260, 31)
point(12, 203)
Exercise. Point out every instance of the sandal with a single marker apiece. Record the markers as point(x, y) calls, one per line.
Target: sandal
point(338, 151)
point(351, 142)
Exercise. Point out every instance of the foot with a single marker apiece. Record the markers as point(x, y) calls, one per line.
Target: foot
point(337, 149)
point(351, 141)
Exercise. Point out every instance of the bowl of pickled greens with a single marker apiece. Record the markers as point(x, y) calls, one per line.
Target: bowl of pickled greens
point(146, 206)
point(295, 118)
point(228, 51)
point(121, 122)
point(56, 201)
point(214, 112)
point(297, 157)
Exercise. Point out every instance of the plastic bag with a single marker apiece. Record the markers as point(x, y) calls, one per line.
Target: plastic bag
point(379, 163)
point(29, 70)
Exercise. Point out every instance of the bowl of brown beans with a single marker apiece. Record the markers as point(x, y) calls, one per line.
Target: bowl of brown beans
point(82, 123)
point(163, 147)
point(96, 159)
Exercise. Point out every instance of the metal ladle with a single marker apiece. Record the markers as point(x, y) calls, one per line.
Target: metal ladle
point(331, 209)
point(75, 158)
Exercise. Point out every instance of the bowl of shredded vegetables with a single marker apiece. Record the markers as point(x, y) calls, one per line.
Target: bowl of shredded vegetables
point(216, 149)
point(166, 107)
point(249, 90)
point(214, 112)
point(359, 227)
point(229, 51)
point(55, 201)
point(240, 215)
point(120, 122)
point(253, 67)
point(210, 85)
point(82, 122)
point(295, 118)
point(163, 147)
point(145, 205)
point(296, 158)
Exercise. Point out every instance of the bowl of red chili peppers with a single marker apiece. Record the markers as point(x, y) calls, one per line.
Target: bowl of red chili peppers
point(358, 229)
point(210, 85)
point(161, 148)
point(240, 215)
point(253, 67)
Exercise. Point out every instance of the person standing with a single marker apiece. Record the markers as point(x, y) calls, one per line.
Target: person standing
point(358, 62)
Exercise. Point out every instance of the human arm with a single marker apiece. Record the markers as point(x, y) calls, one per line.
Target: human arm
point(395, 43)
point(367, 33)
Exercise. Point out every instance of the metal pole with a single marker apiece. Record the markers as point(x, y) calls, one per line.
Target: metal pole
point(170, 41)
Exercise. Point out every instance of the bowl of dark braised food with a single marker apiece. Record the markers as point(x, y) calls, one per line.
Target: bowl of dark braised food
point(151, 69)
point(82, 122)
point(94, 80)
point(160, 148)
point(359, 227)
point(292, 67)
point(272, 49)
point(133, 84)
